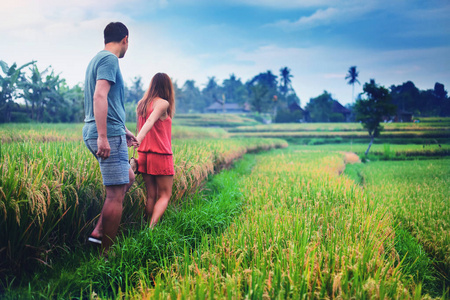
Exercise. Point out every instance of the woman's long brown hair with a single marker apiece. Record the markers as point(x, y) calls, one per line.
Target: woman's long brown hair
point(161, 86)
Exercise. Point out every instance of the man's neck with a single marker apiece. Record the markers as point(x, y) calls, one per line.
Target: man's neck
point(114, 48)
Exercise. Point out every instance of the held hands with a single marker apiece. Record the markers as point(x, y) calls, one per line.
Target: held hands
point(131, 139)
point(139, 139)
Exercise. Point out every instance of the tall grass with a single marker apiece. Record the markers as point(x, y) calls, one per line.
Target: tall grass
point(50, 193)
point(185, 225)
point(72, 132)
point(418, 195)
point(304, 233)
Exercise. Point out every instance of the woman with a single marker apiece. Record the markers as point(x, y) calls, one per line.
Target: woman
point(155, 162)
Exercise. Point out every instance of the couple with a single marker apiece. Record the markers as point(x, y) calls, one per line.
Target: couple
point(107, 137)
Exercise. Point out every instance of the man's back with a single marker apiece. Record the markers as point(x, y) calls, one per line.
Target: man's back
point(104, 66)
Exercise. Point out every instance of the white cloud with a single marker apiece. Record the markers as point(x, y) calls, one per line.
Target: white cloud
point(321, 16)
point(283, 4)
point(66, 36)
point(334, 12)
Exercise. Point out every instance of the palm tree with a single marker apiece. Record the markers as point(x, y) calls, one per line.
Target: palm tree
point(42, 92)
point(352, 78)
point(8, 85)
point(285, 80)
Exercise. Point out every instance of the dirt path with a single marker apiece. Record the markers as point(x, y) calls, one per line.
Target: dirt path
point(351, 158)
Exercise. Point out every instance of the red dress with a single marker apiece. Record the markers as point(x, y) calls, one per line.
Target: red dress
point(155, 151)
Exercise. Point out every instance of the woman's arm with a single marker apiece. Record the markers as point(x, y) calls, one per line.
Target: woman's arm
point(160, 107)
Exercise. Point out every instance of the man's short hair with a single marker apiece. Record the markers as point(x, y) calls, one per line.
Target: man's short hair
point(115, 32)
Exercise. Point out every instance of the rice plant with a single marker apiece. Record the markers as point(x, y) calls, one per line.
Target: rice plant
point(51, 193)
point(305, 233)
point(418, 195)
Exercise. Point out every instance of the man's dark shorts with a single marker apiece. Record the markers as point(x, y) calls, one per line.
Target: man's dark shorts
point(115, 168)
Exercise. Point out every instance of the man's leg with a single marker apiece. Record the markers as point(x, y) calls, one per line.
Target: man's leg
point(97, 233)
point(112, 214)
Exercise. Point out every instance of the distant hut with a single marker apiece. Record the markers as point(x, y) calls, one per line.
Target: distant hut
point(295, 107)
point(403, 116)
point(339, 109)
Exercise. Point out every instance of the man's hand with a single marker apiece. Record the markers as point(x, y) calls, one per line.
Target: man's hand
point(131, 139)
point(104, 150)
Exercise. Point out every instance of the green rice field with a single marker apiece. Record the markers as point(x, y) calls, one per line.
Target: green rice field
point(260, 211)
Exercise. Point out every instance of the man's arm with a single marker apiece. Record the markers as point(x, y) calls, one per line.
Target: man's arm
point(131, 139)
point(102, 88)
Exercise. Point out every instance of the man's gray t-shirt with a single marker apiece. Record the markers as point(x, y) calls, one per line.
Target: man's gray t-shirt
point(104, 65)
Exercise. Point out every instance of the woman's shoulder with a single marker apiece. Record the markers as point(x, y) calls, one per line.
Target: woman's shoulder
point(160, 101)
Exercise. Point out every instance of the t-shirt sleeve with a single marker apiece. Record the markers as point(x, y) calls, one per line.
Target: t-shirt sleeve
point(107, 68)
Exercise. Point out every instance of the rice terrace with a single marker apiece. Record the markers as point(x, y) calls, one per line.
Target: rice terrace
point(260, 211)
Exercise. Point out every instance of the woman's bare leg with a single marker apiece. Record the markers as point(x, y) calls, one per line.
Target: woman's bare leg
point(152, 192)
point(164, 192)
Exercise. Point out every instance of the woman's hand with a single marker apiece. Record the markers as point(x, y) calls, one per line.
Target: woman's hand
point(139, 138)
point(160, 107)
point(131, 139)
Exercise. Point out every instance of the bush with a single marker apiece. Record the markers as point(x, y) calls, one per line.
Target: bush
point(286, 116)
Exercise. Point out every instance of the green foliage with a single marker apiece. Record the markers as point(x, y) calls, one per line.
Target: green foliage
point(130, 112)
point(286, 116)
point(43, 96)
point(352, 77)
point(431, 102)
point(184, 227)
point(304, 233)
point(47, 97)
point(353, 171)
point(50, 193)
point(285, 81)
point(234, 90)
point(189, 99)
point(370, 111)
point(415, 261)
point(9, 83)
point(320, 108)
point(135, 92)
point(73, 110)
point(263, 92)
point(212, 93)
point(261, 98)
point(416, 193)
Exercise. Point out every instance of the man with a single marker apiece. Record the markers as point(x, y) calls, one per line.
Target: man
point(105, 133)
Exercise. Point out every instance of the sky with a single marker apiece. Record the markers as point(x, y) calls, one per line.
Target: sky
point(391, 41)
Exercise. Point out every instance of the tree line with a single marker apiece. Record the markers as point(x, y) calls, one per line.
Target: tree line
point(30, 94)
point(35, 95)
